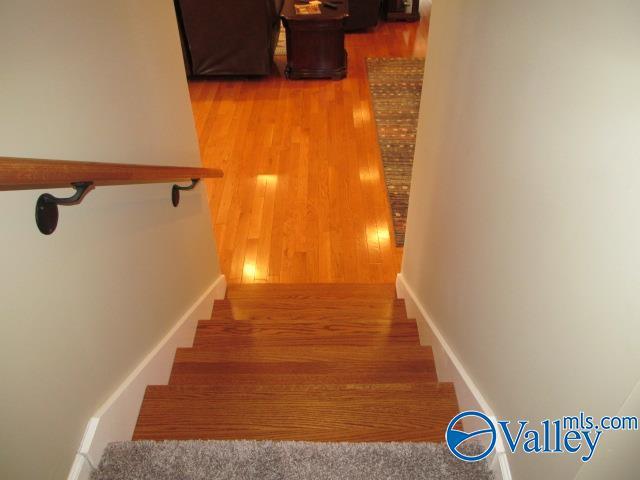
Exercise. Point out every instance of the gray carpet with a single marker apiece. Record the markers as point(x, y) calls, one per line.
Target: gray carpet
point(235, 460)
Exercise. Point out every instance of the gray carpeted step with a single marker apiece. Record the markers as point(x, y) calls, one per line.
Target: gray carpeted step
point(267, 460)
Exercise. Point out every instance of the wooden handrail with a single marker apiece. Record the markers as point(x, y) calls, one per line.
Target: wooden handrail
point(27, 173)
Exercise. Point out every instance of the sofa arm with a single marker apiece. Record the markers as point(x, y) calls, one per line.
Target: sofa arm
point(228, 38)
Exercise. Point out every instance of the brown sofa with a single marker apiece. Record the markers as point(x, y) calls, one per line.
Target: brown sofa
point(236, 37)
point(363, 14)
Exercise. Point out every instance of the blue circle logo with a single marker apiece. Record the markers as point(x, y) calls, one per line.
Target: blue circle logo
point(456, 437)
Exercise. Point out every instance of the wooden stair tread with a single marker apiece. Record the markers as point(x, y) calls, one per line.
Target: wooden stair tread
point(379, 412)
point(323, 353)
point(284, 341)
point(334, 322)
point(227, 316)
point(275, 309)
point(307, 364)
point(299, 377)
point(328, 332)
point(333, 291)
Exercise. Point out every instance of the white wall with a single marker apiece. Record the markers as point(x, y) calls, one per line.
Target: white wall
point(523, 228)
point(101, 81)
point(618, 456)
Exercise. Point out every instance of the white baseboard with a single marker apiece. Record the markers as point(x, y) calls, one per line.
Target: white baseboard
point(116, 419)
point(450, 369)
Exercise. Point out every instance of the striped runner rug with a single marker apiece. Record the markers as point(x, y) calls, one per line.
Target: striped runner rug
point(396, 85)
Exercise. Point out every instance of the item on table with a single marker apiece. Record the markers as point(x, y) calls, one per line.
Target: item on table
point(310, 9)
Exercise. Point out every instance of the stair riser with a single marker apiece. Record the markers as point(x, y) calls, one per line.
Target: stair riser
point(209, 341)
point(342, 378)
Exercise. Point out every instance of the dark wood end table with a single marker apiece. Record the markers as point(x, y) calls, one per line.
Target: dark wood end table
point(315, 43)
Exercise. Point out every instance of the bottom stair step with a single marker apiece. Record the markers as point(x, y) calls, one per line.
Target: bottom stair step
point(243, 460)
point(326, 413)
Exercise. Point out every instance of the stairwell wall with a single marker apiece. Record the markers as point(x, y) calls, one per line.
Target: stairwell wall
point(523, 233)
point(96, 81)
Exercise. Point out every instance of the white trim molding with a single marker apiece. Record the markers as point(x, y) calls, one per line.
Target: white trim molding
point(450, 369)
point(116, 418)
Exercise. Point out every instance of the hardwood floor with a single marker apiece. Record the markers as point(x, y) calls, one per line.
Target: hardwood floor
point(303, 197)
point(302, 362)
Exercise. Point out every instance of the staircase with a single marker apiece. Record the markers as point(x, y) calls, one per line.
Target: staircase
point(330, 363)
